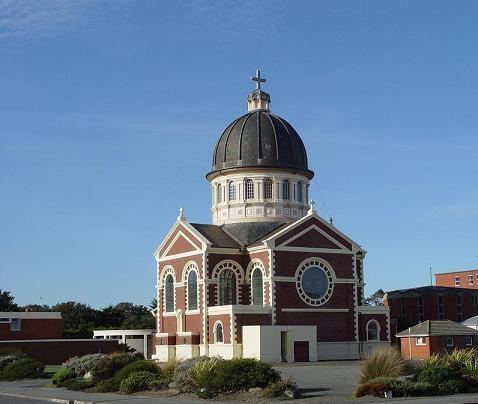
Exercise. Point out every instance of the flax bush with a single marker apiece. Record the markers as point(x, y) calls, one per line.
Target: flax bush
point(382, 362)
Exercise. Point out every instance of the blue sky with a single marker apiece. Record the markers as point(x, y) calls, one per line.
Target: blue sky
point(110, 110)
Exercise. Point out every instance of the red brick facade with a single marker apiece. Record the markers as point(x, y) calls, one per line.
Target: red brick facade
point(33, 328)
point(462, 279)
point(412, 348)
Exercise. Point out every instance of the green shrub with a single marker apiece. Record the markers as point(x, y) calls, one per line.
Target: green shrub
point(452, 386)
point(182, 374)
point(107, 366)
point(7, 359)
point(436, 374)
point(399, 387)
point(12, 351)
point(277, 389)
point(203, 376)
point(168, 368)
point(386, 361)
point(78, 383)
point(22, 369)
point(137, 366)
point(108, 385)
point(139, 381)
point(62, 375)
point(84, 364)
point(243, 373)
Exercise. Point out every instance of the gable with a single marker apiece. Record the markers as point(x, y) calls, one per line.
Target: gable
point(180, 245)
point(312, 238)
point(180, 240)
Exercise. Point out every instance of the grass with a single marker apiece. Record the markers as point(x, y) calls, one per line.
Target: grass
point(383, 362)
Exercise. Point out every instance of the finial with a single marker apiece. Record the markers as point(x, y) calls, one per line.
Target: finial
point(331, 220)
point(181, 217)
point(311, 210)
point(258, 79)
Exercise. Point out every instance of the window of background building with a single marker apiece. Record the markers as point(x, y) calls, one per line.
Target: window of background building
point(459, 308)
point(16, 324)
point(474, 304)
point(441, 308)
point(470, 279)
point(449, 341)
point(421, 310)
point(403, 308)
point(420, 341)
point(457, 281)
point(468, 341)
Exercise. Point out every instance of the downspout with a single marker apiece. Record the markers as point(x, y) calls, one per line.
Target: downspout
point(409, 344)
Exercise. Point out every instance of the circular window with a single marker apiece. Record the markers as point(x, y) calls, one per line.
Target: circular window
point(315, 282)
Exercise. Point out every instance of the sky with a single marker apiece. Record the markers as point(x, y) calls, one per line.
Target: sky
point(110, 111)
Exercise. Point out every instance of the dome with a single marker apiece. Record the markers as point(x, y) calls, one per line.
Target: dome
point(260, 139)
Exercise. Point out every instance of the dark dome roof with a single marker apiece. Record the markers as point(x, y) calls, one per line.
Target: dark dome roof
point(260, 139)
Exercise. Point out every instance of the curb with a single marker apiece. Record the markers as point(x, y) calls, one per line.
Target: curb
point(53, 400)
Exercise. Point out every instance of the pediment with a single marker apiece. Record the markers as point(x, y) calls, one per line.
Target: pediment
point(312, 238)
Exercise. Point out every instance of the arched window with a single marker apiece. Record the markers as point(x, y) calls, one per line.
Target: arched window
point(372, 331)
point(219, 193)
point(249, 188)
point(285, 190)
point(232, 191)
point(218, 333)
point(227, 288)
point(257, 288)
point(299, 191)
point(267, 188)
point(192, 291)
point(169, 293)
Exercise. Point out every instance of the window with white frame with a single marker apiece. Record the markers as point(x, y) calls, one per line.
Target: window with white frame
point(169, 293)
point(227, 288)
point(469, 341)
point(285, 189)
point(219, 193)
point(249, 189)
point(232, 191)
point(373, 331)
point(420, 341)
point(218, 333)
point(257, 286)
point(470, 279)
point(16, 324)
point(192, 290)
point(457, 281)
point(449, 341)
point(267, 188)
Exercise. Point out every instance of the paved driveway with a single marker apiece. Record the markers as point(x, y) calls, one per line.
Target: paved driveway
point(329, 380)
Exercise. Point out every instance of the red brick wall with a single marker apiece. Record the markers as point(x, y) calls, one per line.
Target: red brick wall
point(49, 328)
point(417, 351)
point(365, 318)
point(56, 352)
point(226, 327)
point(185, 231)
point(434, 344)
point(448, 279)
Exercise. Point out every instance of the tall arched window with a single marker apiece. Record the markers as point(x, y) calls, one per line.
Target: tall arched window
point(285, 190)
point(219, 193)
point(192, 291)
point(267, 188)
point(249, 188)
point(257, 288)
point(218, 333)
point(232, 191)
point(227, 287)
point(372, 331)
point(299, 191)
point(169, 293)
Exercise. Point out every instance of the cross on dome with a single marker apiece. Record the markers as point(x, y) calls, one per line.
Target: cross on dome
point(258, 79)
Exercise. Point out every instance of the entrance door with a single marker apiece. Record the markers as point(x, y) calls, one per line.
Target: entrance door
point(283, 346)
point(301, 351)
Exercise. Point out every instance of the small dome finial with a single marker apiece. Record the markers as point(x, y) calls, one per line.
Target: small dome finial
point(258, 99)
point(181, 217)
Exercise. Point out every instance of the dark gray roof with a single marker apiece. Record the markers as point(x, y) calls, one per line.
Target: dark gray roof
point(217, 236)
point(423, 290)
point(236, 235)
point(436, 328)
point(260, 139)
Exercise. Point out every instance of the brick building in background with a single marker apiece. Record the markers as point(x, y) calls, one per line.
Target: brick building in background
point(409, 307)
point(460, 279)
point(269, 278)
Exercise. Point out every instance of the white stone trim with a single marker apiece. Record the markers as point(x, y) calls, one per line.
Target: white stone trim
point(295, 310)
point(24, 315)
point(378, 330)
point(214, 332)
point(329, 272)
point(171, 244)
point(373, 309)
point(314, 250)
point(321, 232)
point(239, 309)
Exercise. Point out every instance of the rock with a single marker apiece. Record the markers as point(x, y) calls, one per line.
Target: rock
point(291, 393)
point(255, 390)
point(88, 376)
point(172, 385)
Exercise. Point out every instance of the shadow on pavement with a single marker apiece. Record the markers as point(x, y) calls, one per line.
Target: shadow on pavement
point(310, 393)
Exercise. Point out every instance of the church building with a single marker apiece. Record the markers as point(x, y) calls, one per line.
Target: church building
point(269, 278)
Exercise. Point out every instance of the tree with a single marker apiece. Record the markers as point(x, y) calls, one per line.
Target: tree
point(375, 299)
point(7, 301)
point(36, 307)
point(78, 315)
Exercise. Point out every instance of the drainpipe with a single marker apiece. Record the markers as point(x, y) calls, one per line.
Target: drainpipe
point(409, 344)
